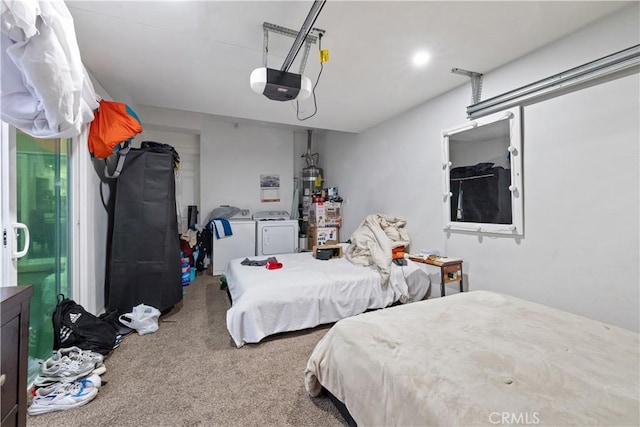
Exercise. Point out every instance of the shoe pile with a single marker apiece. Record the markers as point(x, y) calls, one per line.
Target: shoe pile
point(68, 379)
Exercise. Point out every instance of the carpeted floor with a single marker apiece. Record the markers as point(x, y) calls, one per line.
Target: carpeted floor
point(189, 373)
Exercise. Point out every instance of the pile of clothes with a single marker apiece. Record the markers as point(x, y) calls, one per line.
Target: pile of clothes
point(189, 242)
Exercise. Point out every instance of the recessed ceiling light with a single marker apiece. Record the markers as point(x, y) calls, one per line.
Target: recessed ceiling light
point(421, 58)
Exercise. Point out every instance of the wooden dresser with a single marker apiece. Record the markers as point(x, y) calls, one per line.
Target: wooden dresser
point(15, 347)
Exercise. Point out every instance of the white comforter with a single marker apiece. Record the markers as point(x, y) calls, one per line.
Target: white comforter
point(473, 358)
point(373, 240)
point(45, 91)
point(307, 292)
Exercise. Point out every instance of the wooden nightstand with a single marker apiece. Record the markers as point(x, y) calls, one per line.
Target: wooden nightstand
point(450, 270)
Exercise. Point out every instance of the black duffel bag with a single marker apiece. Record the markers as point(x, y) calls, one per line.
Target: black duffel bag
point(75, 326)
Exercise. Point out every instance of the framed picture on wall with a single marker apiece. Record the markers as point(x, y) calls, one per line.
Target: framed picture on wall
point(270, 188)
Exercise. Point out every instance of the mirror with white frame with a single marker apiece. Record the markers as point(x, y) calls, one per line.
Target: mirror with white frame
point(482, 175)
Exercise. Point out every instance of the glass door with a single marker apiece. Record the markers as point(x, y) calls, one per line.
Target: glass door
point(11, 229)
point(41, 202)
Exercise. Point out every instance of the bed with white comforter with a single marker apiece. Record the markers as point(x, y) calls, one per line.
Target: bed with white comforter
point(479, 358)
point(307, 292)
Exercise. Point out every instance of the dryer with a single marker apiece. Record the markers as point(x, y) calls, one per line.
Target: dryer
point(275, 235)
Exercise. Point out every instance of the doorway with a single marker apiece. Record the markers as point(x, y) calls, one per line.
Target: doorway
point(36, 194)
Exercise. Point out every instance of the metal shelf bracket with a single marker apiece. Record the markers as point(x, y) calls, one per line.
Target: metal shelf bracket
point(476, 83)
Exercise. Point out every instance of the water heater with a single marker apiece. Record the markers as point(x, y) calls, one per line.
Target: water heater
point(312, 178)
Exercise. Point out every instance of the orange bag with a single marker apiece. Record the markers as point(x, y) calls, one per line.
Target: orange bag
point(397, 252)
point(113, 124)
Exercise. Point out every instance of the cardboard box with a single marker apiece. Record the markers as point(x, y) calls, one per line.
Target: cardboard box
point(319, 236)
point(336, 250)
point(325, 214)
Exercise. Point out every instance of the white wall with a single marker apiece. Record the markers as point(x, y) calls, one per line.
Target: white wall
point(232, 154)
point(580, 249)
point(188, 174)
point(232, 158)
point(90, 227)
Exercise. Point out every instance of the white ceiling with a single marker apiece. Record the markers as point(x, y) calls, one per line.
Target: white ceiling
point(197, 55)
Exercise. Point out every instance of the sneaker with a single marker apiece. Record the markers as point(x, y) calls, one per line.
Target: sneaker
point(92, 381)
point(76, 353)
point(61, 398)
point(65, 369)
point(100, 370)
point(46, 380)
point(41, 383)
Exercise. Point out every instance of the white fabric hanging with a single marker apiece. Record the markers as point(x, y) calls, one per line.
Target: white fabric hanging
point(46, 91)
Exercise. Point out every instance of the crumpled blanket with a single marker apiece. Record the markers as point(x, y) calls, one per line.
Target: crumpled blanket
point(45, 91)
point(373, 240)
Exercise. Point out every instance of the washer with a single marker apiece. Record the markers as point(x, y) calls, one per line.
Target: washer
point(275, 235)
point(241, 244)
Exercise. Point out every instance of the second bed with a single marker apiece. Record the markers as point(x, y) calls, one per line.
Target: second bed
point(307, 292)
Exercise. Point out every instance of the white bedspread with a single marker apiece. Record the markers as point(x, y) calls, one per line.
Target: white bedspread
point(479, 358)
point(307, 292)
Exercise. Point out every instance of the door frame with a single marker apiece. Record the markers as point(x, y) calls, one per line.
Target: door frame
point(8, 265)
point(8, 213)
point(82, 253)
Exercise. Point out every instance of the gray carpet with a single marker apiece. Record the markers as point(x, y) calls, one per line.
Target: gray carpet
point(189, 373)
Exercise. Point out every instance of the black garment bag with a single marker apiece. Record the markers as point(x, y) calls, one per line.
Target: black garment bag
point(144, 258)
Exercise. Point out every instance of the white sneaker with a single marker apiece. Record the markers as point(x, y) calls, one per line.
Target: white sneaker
point(61, 398)
point(44, 385)
point(99, 370)
point(76, 353)
point(92, 381)
point(65, 369)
